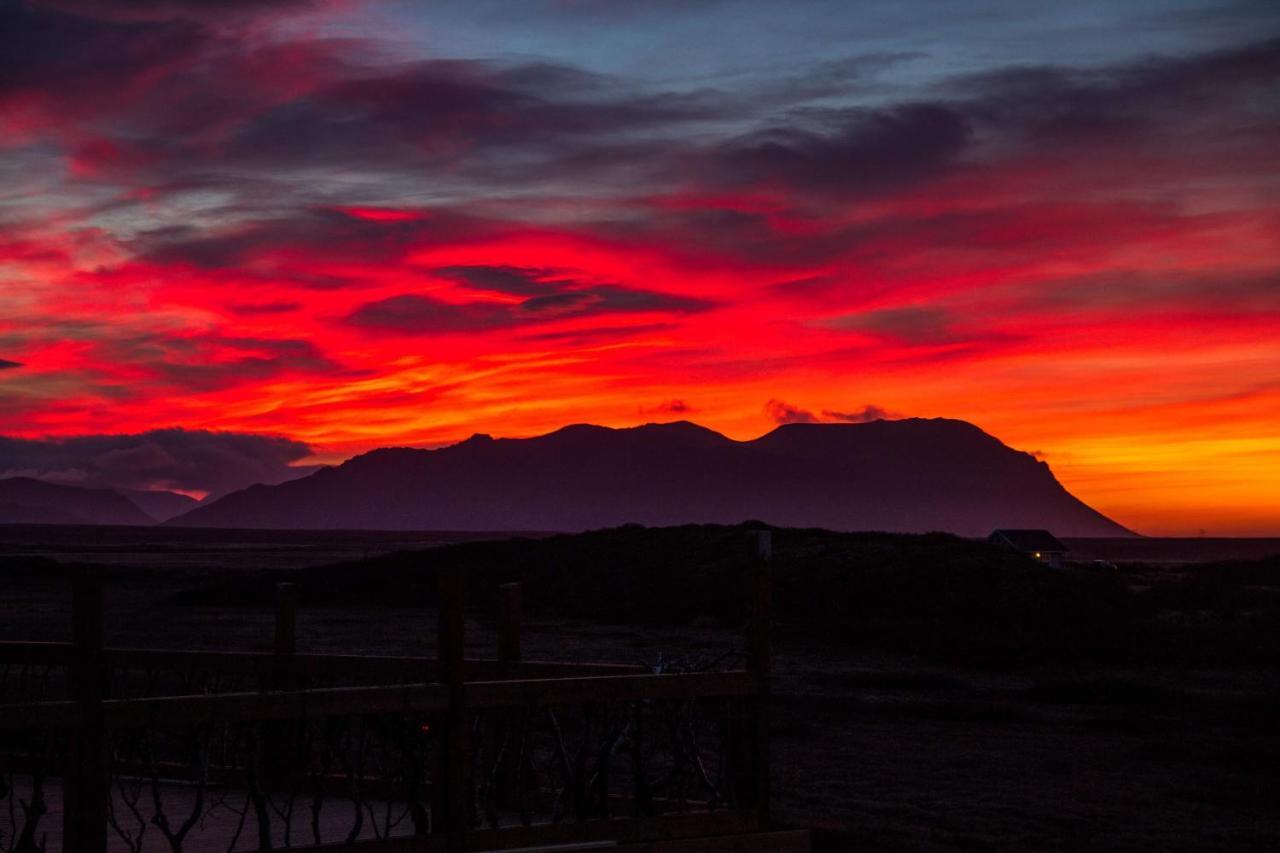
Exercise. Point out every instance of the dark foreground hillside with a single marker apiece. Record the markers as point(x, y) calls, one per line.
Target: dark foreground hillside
point(930, 693)
point(937, 595)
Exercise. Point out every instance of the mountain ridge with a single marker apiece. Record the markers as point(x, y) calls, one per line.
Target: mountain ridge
point(27, 500)
point(910, 475)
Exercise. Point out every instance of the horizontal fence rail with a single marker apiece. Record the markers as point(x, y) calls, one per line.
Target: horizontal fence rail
point(325, 665)
point(399, 698)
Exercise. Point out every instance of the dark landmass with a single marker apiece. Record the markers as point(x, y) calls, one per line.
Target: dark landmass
point(1173, 551)
point(910, 475)
point(24, 500)
point(936, 595)
point(15, 513)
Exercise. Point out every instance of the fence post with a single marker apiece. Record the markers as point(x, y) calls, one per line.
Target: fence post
point(508, 628)
point(281, 740)
point(449, 806)
point(760, 662)
point(286, 619)
point(86, 785)
point(283, 674)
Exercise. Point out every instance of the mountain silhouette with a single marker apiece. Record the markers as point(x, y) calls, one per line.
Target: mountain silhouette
point(24, 500)
point(160, 505)
point(907, 476)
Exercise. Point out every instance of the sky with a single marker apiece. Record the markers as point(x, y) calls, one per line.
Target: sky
point(241, 237)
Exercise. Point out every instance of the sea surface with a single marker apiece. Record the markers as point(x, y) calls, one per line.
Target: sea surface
point(1171, 551)
point(203, 549)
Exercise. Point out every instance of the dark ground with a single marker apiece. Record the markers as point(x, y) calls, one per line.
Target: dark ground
point(880, 741)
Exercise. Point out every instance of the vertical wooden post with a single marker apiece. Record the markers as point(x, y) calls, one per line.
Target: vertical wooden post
point(286, 619)
point(449, 807)
point(760, 662)
point(281, 740)
point(760, 638)
point(508, 628)
point(86, 785)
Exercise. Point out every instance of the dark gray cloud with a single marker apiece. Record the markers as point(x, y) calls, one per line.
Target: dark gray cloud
point(854, 150)
point(5, 364)
point(864, 415)
point(1145, 291)
point(269, 248)
point(211, 363)
point(862, 151)
point(917, 335)
point(411, 313)
point(785, 413)
point(519, 281)
point(1039, 104)
point(323, 234)
point(597, 334)
point(185, 460)
point(674, 407)
point(258, 309)
point(48, 50)
point(160, 9)
point(416, 314)
point(549, 296)
point(470, 121)
point(551, 292)
point(836, 78)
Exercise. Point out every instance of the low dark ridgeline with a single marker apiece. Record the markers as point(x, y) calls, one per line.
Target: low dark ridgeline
point(24, 500)
point(937, 595)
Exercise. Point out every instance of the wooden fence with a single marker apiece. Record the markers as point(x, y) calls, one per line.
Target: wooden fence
point(196, 751)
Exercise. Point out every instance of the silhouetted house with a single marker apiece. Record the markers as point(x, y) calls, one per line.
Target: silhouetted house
point(1039, 545)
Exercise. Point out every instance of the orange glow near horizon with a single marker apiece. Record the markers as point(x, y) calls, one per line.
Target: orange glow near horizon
point(253, 259)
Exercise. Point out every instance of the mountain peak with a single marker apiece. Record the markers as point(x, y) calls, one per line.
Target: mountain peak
point(683, 429)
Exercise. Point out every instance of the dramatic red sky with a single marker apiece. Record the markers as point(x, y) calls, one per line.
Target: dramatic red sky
point(357, 224)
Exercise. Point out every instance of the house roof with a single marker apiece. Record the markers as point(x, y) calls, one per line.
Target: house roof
point(1029, 540)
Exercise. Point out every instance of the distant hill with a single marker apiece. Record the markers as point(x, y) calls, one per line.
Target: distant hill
point(160, 505)
point(934, 594)
point(908, 476)
point(24, 500)
point(12, 513)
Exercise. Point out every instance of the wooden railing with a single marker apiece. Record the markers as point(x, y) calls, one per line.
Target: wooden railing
point(305, 751)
